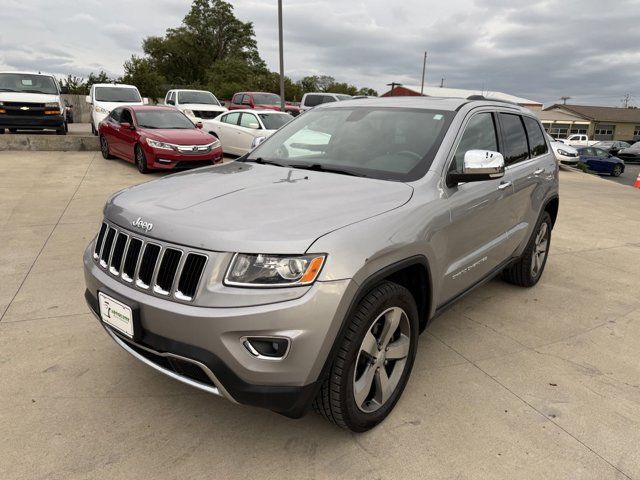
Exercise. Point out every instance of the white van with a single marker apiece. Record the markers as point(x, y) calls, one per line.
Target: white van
point(310, 100)
point(198, 105)
point(31, 101)
point(104, 97)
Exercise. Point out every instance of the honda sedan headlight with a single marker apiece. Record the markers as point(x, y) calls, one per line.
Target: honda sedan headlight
point(265, 270)
point(100, 109)
point(160, 145)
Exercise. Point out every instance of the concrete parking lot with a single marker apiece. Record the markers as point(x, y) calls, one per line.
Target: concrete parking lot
point(539, 383)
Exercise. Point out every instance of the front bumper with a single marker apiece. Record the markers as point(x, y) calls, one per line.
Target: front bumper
point(162, 159)
point(31, 122)
point(211, 339)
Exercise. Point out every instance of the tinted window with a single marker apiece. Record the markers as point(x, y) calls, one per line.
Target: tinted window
point(231, 118)
point(537, 143)
point(28, 83)
point(516, 148)
point(116, 94)
point(247, 119)
point(126, 117)
point(163, 118)
point(115, 114)
point(480, 134)
point(199, 97)
point(266, 99)
point(587, 152)
point(312, 100)
point(237, 98)
point(601, 153)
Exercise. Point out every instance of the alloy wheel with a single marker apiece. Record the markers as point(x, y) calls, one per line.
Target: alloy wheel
point(540, 249)
point(381, 359)
point(104, 147)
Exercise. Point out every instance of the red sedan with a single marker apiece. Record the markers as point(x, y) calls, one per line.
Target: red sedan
point(157, 138)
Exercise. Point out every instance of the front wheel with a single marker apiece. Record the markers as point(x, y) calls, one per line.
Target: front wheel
point(93, 130)
point(141, 160)
point(104, 148)
point(617, 170)
point(374, 360)
point(528, 269)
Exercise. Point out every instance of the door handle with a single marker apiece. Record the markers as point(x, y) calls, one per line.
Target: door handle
point(504, 185)
point(539, 171)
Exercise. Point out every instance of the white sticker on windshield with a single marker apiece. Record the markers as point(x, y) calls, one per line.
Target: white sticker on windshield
point(27, 83)
point(437, 117)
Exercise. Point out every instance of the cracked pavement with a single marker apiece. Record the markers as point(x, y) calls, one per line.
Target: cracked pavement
point(509, 383)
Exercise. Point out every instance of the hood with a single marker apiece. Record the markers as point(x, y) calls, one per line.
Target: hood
point(267, 107)
point(28, 97)
point(180, 136)
point(111, 105)
point(203, 107)
point(563, 146)
point(246, 207)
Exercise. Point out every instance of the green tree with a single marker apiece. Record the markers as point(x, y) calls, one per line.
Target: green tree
point(74, 85)
point(141, 73)
point(100, 77)
point(370, 92)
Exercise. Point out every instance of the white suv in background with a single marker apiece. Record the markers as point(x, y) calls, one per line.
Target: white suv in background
point(198, 105)
point(104, 97)
point(310, 100)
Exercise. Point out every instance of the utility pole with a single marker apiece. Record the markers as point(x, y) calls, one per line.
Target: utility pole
point(424, 67)
point(564, 100)
point(626, 100)
point(281, 55)
point(442, 82)
point(393, 85)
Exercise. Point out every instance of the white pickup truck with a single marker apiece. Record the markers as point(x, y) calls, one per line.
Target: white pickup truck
point(579, 139)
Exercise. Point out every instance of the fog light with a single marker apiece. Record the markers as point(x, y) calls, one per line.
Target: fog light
point(267, 347)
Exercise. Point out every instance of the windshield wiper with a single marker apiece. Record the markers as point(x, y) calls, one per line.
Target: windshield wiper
point(147, 126)
point(318, 167)
point(262, 161)
point(7, 90)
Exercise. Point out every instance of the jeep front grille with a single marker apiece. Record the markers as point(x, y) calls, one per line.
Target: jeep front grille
point(163, 270)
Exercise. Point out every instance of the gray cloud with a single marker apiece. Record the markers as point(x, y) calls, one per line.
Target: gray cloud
point(536, 49)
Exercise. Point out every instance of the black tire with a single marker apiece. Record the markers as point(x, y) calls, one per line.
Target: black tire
point(617, 170)
point(104, 148)
point(62, 131)
point(1, 131)
point(141, 160)
point(336, 400)
point(523, 273)
point(93, 130)
point(13, 130)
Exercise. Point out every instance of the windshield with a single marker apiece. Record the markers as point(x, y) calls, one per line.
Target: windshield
point(341, 96)
point(266, 99)
point(203, 98)
point(273, 121)
point(26, 83)
point(163, 119)
point(117, 94)
point(386, 143)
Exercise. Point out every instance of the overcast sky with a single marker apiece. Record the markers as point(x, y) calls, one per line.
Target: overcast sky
point(541, 50)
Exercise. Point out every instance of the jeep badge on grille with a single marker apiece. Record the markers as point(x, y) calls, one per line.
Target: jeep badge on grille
point(146, 226)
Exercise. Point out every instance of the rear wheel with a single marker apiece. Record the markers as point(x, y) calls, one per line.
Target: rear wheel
point(104, 148)
point(528, 269)
point(141, 160)
point(617, 170)
point(374, 360)
point(93, 130)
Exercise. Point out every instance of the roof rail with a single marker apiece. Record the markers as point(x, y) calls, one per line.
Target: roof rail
point(482, 97)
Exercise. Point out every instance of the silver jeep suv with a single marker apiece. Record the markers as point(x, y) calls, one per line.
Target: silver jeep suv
point(302, 274)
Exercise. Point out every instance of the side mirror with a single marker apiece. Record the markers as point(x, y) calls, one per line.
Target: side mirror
point(255, 126)
point(478, 165)
point(257, 141)
point(145, 101)
point(127, 125)
point(88, 99)
point(199, 125)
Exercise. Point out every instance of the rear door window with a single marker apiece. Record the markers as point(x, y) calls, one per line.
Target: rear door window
point(231, 118)
point(537, 144)
point(247, 119)
point(313, 100)
point(516, 147)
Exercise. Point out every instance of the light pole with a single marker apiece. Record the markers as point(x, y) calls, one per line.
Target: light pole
point(424, 67)
point(281, 55)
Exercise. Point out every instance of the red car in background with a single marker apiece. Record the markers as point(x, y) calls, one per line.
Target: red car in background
point(255, 101)
point(157, 137)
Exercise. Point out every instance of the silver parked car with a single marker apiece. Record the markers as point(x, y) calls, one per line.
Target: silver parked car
point(303, 273)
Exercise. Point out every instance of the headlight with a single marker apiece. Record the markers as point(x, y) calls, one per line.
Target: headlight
point(189, 113)
point(564, 152)
point(260, 270)
point(99, 109)
point(160, 145)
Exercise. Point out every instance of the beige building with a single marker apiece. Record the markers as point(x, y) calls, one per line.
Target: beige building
point(600, 123)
